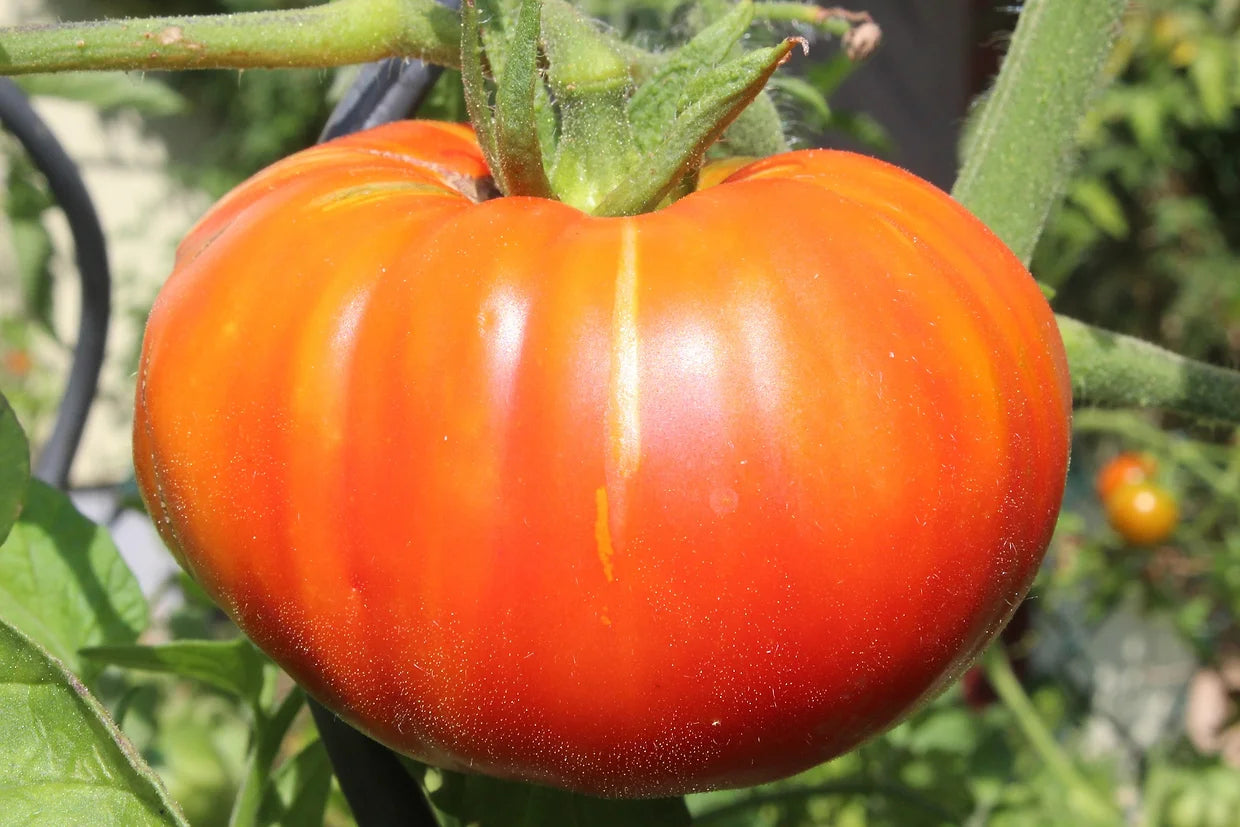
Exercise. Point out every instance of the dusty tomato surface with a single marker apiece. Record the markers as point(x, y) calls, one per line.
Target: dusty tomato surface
point(634, 506)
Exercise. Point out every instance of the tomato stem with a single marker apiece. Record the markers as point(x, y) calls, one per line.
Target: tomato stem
point(1113, 370)
point(591, 84)
point(334, 34)
point(1007, 686)
point(1019, 147)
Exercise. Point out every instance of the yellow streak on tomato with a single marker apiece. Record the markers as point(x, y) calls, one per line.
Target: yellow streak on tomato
point(602, 537)
point(623, 419)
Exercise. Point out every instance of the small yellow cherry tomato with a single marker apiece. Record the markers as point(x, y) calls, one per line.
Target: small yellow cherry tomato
point(1142, 513)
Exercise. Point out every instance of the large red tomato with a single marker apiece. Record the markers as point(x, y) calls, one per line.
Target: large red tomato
point(634, 506)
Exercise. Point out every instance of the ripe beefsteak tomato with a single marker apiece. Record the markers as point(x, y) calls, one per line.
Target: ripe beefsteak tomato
point(632, 506)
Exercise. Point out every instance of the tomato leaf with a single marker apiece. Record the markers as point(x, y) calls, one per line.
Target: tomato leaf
point(718, 97)
point(63, 760)
point(518, 151)
point(257, 780)
point(63, 583)
point(654, 106)
point(1211, 74)
point(14, 467)
point(299, 789)
point(812, 106)
point(460, 799)
point(32, 247)
point(477, 96)
point(234, 666)
point(758, 130)
point(108, 91)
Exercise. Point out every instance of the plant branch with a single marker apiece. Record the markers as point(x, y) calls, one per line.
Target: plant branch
point(999, 672)
point(335, 34)
point(1112, 370)
point(1020, 147)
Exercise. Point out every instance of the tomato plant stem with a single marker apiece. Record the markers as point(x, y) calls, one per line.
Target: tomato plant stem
point(591, 85)
point(999, 672)
point(1019, 146)
point(1112, 370)
point(333, 34)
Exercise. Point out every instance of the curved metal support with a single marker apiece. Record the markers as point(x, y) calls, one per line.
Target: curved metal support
point(91, 254)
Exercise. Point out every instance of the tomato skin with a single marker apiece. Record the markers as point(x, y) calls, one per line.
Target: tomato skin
point(1142, 513)
point(1124, 469)
point(632, 506)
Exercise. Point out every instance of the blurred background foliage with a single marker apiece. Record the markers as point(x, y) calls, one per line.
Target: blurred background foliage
point(1147, 242)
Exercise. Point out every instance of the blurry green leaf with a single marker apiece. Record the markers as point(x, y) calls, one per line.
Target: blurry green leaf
point(827, 76)
point(1210, 73)
point(62, 761)
point(234, 666)
point(811, 104)
point(950, 729)
point(863, 128)
point(1100, 204)
point(480, 801)
point(299, 790)
point(257, 780)
point(108, 91)
point(446, 101)
point(33, 249)
point(14, 467)
point(63, 583)
point(1145, 118)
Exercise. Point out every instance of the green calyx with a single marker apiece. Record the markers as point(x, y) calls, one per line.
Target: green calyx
point(564, 114)
point(563, 107)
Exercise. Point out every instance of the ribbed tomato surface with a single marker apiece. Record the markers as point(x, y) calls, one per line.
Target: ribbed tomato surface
point(634, 506)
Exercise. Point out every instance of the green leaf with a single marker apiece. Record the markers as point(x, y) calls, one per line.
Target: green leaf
point(1097, 201)
point(62, 761)
point(1210, 73)
point(950, 729)
point(477, 96)
point(518, 151)
point(810, 102)
point(107, 91)
point(257, 780)
point(654, 106)
point(480, 801)
point(719, 97)
point(299, 790)
point(758, 130)
point(63, 583)
point(32, 247)
point(234, 666)
point(827, 75)
point(14, 467)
